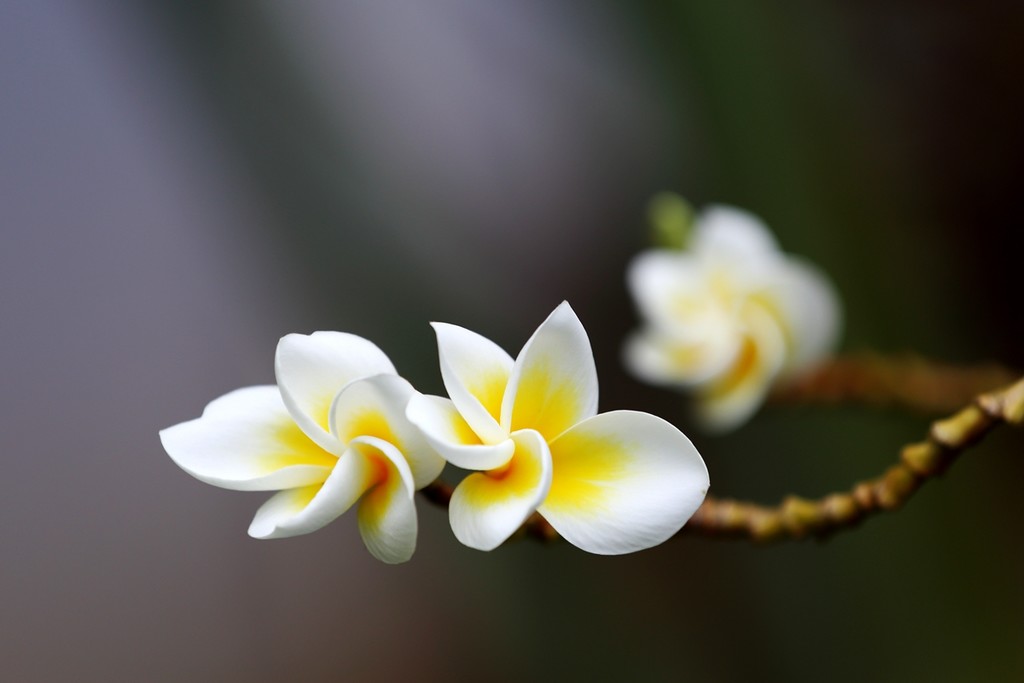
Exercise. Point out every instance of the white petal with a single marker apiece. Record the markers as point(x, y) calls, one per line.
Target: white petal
point(554, 380)
point(312, 369)
point(623, 481)
point(729, 232)
point(299, 511)
point(261, 399)
point(450, 435)
point(813, 311)
point(669, 290)
point(475, 371)
point(487, 507)
point(387, 522)
point(660, 359)
point(736, 395)
point(689, 296)
point(387, 513)
point(246, 440)
point(375, 406)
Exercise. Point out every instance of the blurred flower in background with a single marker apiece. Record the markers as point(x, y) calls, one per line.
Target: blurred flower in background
point(727, 314)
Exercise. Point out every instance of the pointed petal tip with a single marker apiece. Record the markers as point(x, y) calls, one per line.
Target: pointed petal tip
point(553, 384)
point(475, 372)
point(564, 309)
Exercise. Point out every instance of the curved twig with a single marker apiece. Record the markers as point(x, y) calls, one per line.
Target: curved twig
point(799, 518)
point(906, 382)
point(873, 380)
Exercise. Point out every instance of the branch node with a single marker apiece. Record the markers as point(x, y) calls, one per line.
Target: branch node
point(1007, 404)
point(766, 526)
point(897, 485)
point(800, 516)
point(731, 516)
point(925, 459)
point(841, 508)
point(864, 494)
point(961, 429)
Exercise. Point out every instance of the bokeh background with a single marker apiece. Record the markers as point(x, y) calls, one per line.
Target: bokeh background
point(183, 183)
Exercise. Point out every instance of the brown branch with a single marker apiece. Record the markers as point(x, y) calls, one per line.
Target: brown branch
point(798, 518)
point(906, 382)
point(872, 380)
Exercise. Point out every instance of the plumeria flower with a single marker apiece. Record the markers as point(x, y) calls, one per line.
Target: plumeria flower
point(331, 433)
point(728, 316)
point(609, 484)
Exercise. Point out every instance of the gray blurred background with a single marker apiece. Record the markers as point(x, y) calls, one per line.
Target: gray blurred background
point(181, 184)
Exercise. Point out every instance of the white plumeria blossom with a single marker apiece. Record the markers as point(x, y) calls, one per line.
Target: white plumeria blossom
point(610, 484)
point(332, 433)
point(728, 316)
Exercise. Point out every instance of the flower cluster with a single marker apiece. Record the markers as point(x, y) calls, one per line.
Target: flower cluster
point(342, 429)
point(332, 433)
point(728, 316)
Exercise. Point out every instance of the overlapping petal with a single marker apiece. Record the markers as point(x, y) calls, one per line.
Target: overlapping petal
point(247, 440)
point(665, 359)
point(623, 481)
point(312, 369)
point(475, 371)
point(488, 507)
point(554, 380)
point(301, 510)
point(450, 435)
point(376, 407)
point(669, 290)
point(731, 398)
point(370, 469)
point(332, 433)
point(387, 512)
